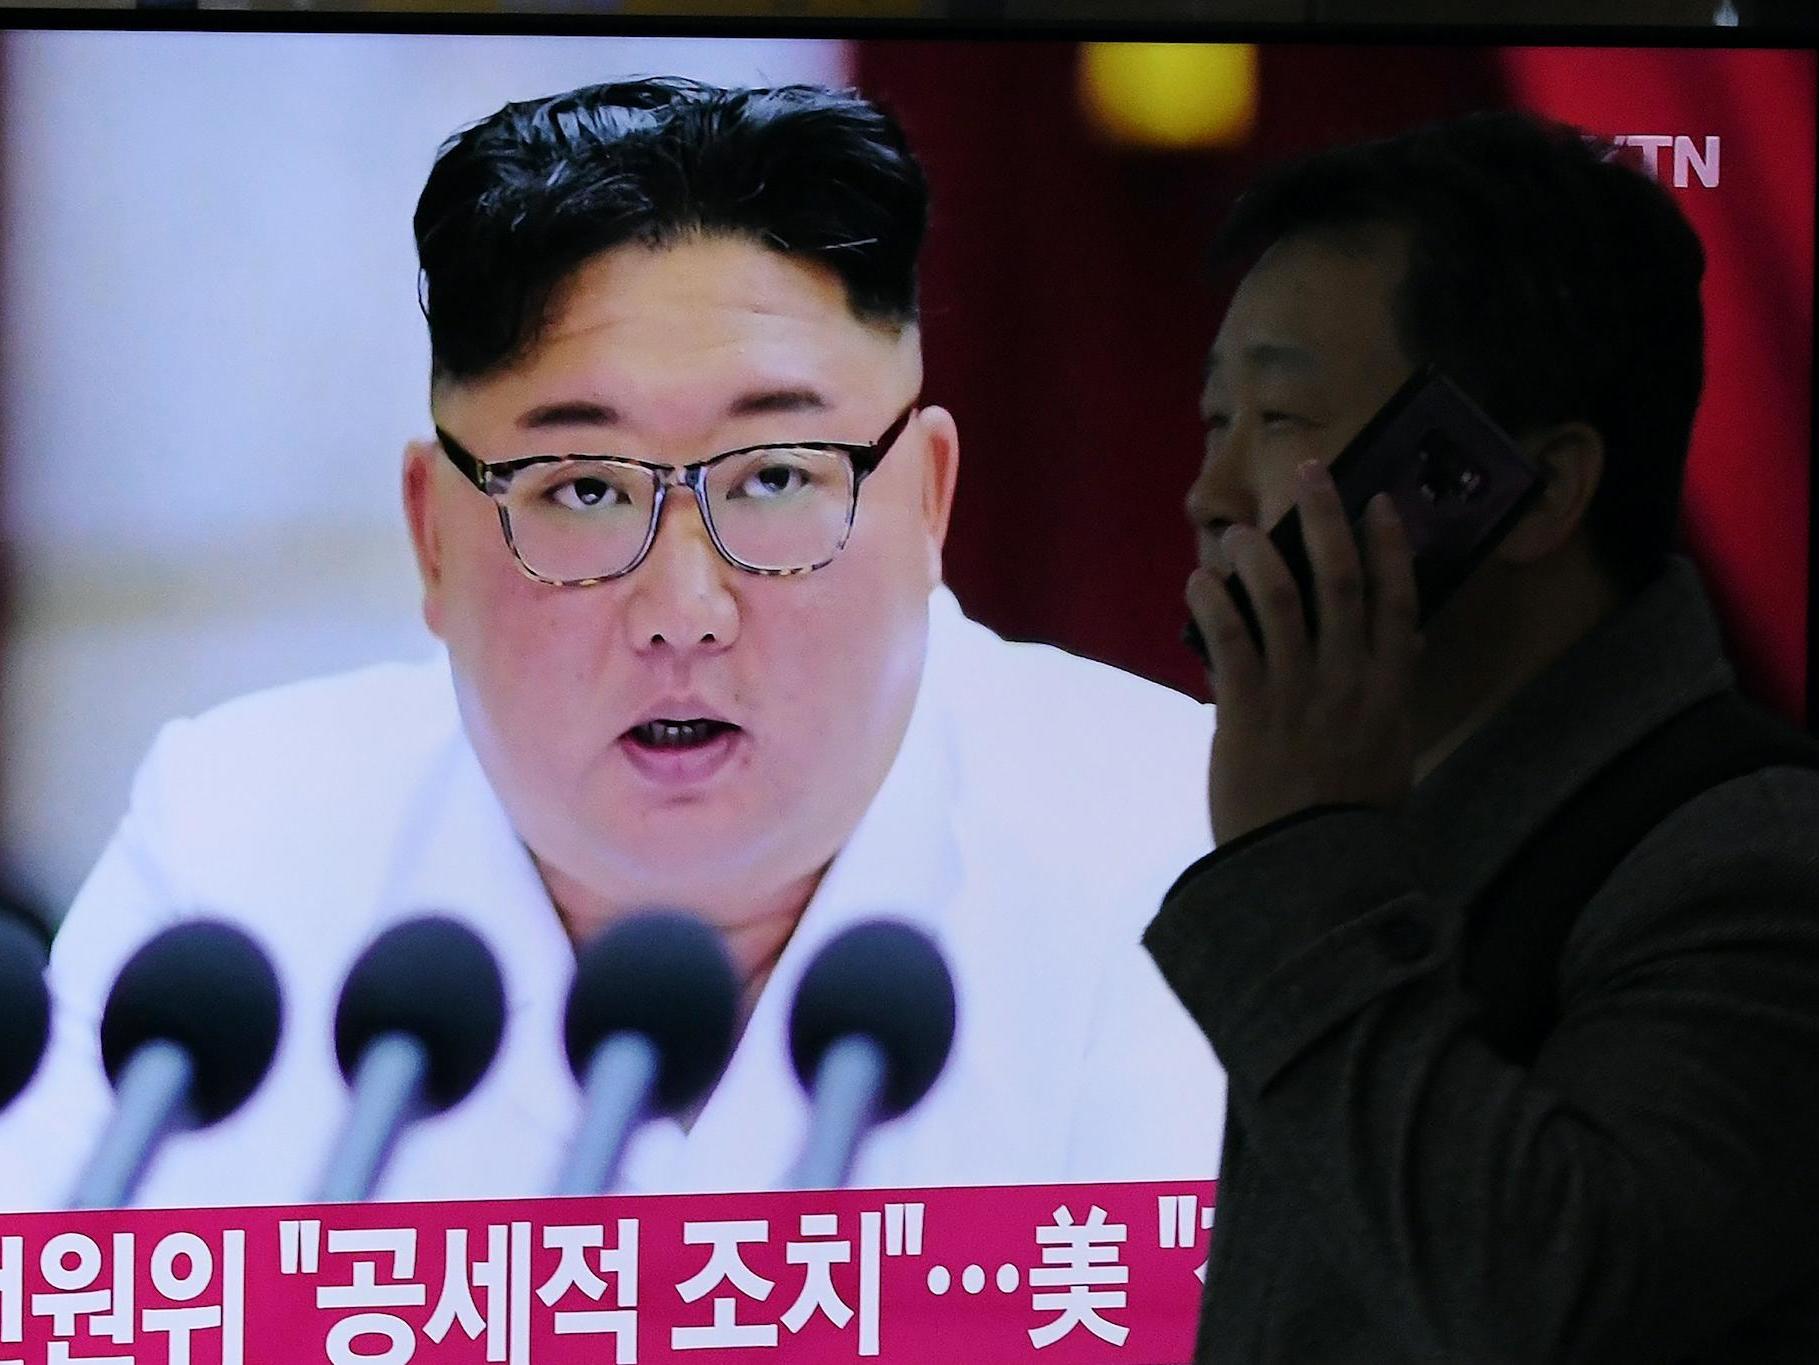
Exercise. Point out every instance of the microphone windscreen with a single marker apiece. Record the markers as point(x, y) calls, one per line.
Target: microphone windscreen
point(433, 980)
point(208, 988)
point(665, 976)
point(887, 982)
point(25, 1008)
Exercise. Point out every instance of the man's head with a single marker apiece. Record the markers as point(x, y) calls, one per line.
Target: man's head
point(663, 272)
point(1557, 286)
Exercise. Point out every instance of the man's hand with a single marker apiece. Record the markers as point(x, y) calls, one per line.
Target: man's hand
point(1320, 721)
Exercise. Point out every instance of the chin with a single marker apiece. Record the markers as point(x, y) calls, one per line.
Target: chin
point(691, 849)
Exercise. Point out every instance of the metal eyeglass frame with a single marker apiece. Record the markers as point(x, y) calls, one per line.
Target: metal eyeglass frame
point(494, 479)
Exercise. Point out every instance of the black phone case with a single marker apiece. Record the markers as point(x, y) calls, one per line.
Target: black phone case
point(1457, 479)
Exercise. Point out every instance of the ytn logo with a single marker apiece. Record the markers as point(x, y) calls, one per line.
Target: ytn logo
point(1689, 160)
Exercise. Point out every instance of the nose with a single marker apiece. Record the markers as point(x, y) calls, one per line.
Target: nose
point(681, 598)
point(1221, 495)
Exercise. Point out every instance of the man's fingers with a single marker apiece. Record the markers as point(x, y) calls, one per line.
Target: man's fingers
point(1237, 671)
point(1276, 602)
point(1394, 607)
point(1332, 552)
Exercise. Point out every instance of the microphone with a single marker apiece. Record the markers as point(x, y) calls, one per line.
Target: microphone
point(870, 1031)
point(420, 1020)
point(649, 1029)
point(25, 1008)
point(188, 1033)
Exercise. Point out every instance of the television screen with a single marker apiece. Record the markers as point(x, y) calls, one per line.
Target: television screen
point(273, 658)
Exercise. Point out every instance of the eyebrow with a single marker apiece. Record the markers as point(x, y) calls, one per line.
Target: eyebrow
point(588, 413)
point(1266, 355)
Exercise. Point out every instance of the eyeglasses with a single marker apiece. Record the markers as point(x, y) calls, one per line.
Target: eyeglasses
point(784, 507)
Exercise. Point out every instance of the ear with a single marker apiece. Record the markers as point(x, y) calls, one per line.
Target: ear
point(420, 462)
point(1571, 460)
point(940, 471)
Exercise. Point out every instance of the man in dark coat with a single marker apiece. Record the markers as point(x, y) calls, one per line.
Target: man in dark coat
point(1511, 942)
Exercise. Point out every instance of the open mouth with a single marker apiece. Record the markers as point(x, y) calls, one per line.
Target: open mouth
point(663, 733)
point(680, 754)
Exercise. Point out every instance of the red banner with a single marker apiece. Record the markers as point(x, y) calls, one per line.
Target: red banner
point(1065, 1273)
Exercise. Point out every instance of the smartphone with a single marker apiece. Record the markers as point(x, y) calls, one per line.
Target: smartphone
point(1457, 479)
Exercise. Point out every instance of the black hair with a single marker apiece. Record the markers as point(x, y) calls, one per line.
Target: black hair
point(1550, 280)
point(520, 200)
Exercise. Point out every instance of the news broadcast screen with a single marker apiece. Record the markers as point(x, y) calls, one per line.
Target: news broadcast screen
point(300, 643)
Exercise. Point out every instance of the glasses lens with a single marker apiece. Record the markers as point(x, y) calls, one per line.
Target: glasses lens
point(783, 507)
point(576, 519)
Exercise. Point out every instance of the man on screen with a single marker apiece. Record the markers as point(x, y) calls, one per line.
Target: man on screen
point(681, 534)
point(1511, 944)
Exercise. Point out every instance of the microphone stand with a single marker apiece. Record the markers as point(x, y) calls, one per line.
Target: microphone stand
point(387, 1091)
point(615, 1099)
point(153, 1104)
point(848, 1083)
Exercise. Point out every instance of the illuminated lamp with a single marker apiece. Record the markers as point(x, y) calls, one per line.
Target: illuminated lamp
point(1170, 95)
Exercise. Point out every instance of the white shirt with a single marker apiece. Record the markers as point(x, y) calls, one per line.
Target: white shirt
point(1038, 808)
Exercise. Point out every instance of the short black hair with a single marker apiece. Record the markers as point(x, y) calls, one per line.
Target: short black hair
point(1548, 278)
point(520, 200)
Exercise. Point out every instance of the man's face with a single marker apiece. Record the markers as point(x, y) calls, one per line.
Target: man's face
point(674, 355)
point(1306, 356)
